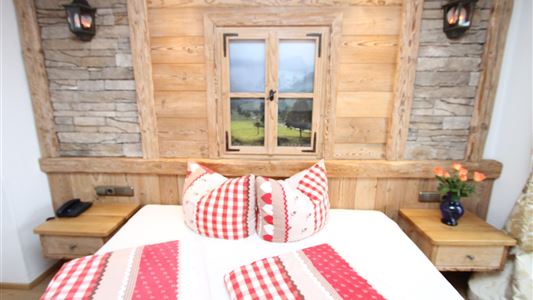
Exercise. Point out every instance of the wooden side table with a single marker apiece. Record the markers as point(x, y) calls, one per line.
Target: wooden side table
point(473, 245)
point(84, 234)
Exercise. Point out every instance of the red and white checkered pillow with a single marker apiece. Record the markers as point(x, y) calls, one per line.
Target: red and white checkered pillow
point(216, 206)
point(295, 208)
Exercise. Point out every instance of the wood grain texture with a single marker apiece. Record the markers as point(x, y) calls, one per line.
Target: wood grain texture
point(370, 20)
point(472, 245)
point(273, 168)
point(369, 49)
point(366, 77)
point(179, 77)
point(364, 104)
point(405, 78)
point(142, 69)
point(173, 50)
point(357, 190)
point(361, 130)
point(32, 52)
point(258, 3)
point(488, 82)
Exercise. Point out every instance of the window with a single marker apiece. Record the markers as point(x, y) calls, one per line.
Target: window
point(271, 90)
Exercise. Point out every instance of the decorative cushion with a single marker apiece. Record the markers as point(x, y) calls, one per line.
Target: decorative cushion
point(216, 206)
point(295, 208)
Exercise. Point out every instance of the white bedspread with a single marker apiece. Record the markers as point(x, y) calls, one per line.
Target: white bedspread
point(372, 243)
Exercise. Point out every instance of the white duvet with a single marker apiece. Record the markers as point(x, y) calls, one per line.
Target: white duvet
point(372, 243)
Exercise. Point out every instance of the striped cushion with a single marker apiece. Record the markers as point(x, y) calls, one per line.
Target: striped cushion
point(295, 208)
point(216, 206)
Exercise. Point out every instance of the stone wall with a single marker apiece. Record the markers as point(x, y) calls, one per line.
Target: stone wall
point(446, 81)
point(91, 83)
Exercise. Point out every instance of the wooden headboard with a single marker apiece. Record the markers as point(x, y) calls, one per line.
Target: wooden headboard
point(380, 185)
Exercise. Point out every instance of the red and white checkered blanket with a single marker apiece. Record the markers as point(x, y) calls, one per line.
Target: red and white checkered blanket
point(146, 272)
point(313, 273)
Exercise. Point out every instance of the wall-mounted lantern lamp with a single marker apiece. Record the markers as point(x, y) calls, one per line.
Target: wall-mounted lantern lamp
point(81, 19)
point(458, 17)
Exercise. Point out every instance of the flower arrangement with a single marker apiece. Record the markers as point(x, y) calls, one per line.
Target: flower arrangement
point(454, 183)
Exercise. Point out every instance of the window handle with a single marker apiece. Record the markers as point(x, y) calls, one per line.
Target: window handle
point(271, 95)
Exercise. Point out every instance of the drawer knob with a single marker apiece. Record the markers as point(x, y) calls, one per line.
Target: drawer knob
point(72, 247)
point(471, 257)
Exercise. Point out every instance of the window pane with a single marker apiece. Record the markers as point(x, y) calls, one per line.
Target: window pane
point(296, 66)
point(247, 66)
point(294, 122)
point(247, 122)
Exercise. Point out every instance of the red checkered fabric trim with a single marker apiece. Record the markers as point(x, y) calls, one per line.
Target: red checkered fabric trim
point(314, 185)
point(223, 213)
point(263, 279)
point(77, 279)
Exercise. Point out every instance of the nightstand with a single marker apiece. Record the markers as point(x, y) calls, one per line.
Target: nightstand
point(84, 234)
point(472, 245)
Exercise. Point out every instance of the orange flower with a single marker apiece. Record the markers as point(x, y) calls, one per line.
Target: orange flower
point(438, 171)
point(446, 175)
point(463, 177)
point(478, 176)
point(457, 166)
point(463, 171)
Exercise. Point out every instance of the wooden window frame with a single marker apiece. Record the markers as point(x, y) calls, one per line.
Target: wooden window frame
point(272, 36)
point(219, 20)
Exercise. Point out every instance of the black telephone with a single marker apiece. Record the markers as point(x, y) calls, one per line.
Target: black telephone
point(72, 208)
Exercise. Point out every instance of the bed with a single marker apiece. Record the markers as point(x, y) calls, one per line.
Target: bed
point(372, 243)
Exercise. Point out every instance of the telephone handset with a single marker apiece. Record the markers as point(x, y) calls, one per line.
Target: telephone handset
point(72, 208)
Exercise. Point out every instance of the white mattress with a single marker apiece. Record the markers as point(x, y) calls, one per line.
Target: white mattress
point(372, 243)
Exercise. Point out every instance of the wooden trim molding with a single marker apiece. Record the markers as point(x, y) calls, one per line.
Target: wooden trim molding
point(273, 168)
point(32, 52)
point(142, 68)
point(405, 79)
point(488, 82)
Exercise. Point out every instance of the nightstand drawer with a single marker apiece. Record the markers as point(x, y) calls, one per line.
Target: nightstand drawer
point(69, 246)
point(474, 258)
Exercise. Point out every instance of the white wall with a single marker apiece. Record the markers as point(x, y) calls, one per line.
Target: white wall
point(25, 196)
point(510, 135)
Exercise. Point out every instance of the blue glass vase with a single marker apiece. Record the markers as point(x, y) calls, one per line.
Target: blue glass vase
point(451, 209)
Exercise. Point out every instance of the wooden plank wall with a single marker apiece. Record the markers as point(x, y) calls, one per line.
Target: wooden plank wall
point(384, 194)
point(379, 185)
point(366, 72)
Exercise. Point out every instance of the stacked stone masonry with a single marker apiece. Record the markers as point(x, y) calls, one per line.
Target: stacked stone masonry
point(91, 83)
point(447, 77)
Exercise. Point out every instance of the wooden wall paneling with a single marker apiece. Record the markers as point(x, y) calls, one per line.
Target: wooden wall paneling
point(176, 149)
point(60, 188)
point(346, 193)
point(272, 168)
point(404, 78)
point(361, 130)
point(179, 77)
point(181, 104)
point(359, 151)
point(365, 193)
point(364, 104)
point(142, 69)
point(479, 201)
point(147, 189)
point(366, 77)
point(334, 190)
point(32, 52)
point(169, 189)
point(183, 129)
point(388, 192)
point(371, 20)
point(368, 49)
point(176, 50)
point(176, 22)
point(258, 3)
point(488, 82)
